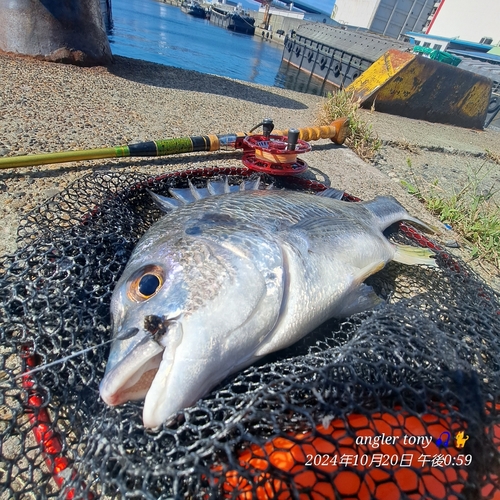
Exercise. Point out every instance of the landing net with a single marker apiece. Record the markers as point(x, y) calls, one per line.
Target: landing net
point(400, 402)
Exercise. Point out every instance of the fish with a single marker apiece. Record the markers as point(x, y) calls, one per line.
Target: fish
point(232, 273)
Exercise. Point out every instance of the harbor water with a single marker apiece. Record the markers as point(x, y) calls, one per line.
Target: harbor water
point(158, 32)
point(161, 33)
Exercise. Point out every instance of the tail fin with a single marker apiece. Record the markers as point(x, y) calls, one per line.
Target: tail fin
point(388, 211)
point(407, 254)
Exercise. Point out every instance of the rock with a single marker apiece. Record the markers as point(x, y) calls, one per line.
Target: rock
point(67, 32)
point(49, 193)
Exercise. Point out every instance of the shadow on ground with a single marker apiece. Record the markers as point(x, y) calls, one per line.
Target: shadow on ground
point(170, 77)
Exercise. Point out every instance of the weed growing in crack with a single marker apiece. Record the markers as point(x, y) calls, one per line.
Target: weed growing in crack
point(494, 157)
point(362, 140)
point(471, 211)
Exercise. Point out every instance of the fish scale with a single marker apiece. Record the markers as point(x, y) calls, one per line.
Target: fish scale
point(241, 272)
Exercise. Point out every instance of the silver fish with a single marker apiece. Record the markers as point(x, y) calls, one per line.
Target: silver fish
point(233, 273)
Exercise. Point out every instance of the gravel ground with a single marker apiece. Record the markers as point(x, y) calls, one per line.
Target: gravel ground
point(444, 159)
point(46, 107)
point(436, 152)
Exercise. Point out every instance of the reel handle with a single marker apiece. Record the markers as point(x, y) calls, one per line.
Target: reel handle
point(293, 137)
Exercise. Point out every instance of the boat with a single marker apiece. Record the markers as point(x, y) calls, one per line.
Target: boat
point(335, 55)
point(194, 9)
point(232, 19)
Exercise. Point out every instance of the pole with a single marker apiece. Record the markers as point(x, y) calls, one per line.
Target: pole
point(337, 131)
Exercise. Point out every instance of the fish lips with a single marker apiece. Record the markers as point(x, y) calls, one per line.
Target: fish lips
point(131, 377)
point(157, 391)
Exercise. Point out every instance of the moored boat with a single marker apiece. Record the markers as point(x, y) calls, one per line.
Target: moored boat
point(234, 20)
point(194, 9)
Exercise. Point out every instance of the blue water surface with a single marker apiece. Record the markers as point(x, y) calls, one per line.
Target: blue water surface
point(157, 32)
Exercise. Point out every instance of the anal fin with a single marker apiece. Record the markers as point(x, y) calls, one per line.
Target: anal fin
point(368, 270)
point(361, 297)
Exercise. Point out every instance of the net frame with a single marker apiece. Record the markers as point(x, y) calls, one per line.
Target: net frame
point(61, 458)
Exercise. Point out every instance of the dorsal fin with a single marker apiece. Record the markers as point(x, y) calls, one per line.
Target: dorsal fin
point(164, 203)
point(331, 193)
point(250, 185)
point(184, 196)
point(194, 191)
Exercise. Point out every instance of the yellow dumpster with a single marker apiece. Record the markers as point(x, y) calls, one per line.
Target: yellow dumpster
point(407, 84)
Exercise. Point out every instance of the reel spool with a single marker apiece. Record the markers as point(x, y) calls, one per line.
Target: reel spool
point(275, 154)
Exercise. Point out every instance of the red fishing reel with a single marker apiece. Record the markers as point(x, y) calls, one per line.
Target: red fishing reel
point(274, 154)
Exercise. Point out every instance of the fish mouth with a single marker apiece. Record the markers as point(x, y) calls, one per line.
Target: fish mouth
point(132, 377)
point(135, 372)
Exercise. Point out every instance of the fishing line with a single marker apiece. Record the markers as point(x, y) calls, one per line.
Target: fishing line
point(125, 335)
point(62, 360)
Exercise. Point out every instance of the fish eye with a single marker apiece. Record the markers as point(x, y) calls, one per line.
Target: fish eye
point(145, 283)
point(148, 285)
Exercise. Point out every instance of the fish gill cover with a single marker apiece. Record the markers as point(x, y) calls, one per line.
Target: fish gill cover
point(399, 402)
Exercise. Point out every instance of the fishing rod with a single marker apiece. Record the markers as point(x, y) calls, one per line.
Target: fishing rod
point(337, 131)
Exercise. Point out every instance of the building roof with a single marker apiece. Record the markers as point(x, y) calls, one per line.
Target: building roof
point(457, 42)
point(487, 57)
point(306, 7)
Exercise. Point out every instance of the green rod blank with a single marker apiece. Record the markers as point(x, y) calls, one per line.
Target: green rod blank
point(151, 148)
point(62, 156)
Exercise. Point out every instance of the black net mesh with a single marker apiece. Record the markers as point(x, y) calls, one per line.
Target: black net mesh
point(344, 413)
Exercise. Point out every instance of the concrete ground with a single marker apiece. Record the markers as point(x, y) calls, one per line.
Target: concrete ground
point(49, 107)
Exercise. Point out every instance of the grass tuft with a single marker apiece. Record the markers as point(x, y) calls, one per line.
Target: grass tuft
point(471, 211)
point(362, 140)
point(494, 157)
